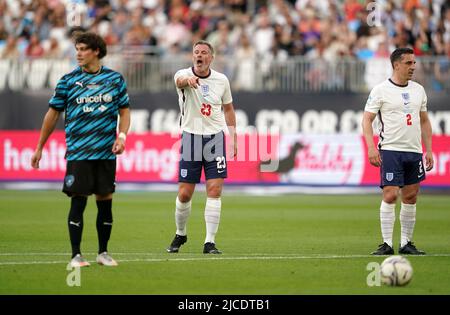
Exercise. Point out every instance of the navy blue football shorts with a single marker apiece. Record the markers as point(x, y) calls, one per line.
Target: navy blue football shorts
point(202, 151)
point(88, 177)
point(401, 168)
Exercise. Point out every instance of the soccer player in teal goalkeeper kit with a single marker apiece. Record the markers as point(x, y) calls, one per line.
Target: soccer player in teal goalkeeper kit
point(92, 97)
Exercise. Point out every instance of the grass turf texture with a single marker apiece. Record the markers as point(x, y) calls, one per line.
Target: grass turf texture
point(292, 244)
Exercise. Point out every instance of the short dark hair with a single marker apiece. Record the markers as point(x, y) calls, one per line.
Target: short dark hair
point(92, 41)
point(397, 54)
point(73, 31)
point(204, 42)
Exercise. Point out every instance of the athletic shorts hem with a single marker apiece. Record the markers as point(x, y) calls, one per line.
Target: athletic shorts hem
point(214, 176)
point(404, 184)
point(188, 181)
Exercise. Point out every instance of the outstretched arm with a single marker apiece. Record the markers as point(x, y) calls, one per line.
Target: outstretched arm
point(191, 81)
point(48, 126)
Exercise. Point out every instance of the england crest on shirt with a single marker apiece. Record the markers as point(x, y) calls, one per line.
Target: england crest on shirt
point(205, 90)
point(405, 97)
point(183, 172)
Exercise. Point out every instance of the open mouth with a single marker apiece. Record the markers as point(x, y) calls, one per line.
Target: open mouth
point(199, 62)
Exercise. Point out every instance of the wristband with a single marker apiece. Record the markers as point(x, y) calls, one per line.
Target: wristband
point(122, 136)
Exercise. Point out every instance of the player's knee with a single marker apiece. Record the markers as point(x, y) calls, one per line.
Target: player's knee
point(77, 206)
point(409, 194)
point(103, 197)
point(214, 191)
point(104, 213)
point(184, 196)
point(390, 196)
point(409, 198)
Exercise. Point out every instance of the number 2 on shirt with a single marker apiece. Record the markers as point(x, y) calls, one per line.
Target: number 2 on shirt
point(408, 119)
point(206, 109)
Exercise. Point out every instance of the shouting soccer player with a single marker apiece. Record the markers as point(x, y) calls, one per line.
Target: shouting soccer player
point(206, 106)
point(401, 106)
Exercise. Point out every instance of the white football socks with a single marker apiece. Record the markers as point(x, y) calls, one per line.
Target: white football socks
point(182, 212)
point(212, 218)
point(407, 221)
point(387, 219)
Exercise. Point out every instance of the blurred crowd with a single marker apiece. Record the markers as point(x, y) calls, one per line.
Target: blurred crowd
point(273, 29)
point(263, 30)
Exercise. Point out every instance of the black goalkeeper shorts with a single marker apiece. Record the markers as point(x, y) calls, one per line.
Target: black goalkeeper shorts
point(90, 177)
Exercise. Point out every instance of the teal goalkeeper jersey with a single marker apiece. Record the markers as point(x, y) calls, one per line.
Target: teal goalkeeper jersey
point(91, 103)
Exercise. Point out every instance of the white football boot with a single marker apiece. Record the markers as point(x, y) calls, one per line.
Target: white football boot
point(79, 261)
point(106, 260)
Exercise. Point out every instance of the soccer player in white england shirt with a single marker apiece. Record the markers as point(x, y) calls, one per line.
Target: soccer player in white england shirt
point(401, 106)
point(206, 110)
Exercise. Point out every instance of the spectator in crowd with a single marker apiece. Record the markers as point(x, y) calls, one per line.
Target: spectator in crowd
point(137, 34)
point(178, 31)
point(10, 50)
point(263, 36)
point(53, 51)
point(3, 32)
point(214, 11)
point(34, 49)
point(196, 22)
point(120, 24)
point(220, 39)
point(245, 67)
point(41, 25)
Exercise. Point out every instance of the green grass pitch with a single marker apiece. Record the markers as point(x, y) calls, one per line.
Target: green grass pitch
point(291, 244)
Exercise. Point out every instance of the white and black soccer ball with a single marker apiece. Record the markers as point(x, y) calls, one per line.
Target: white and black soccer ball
point(396, 271)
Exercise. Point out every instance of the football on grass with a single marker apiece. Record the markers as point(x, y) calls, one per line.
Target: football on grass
point(396, 271)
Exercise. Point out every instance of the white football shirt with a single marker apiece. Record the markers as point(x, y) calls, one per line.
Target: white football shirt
point(201, 108)
point(398, 108)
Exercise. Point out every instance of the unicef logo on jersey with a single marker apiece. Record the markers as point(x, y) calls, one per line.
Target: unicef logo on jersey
point(106, 98)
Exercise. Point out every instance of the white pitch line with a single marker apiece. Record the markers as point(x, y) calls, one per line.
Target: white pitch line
point(217, 258)
point(237, 255)
point(34, 254)
point(163, 252)
point(15, 263)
